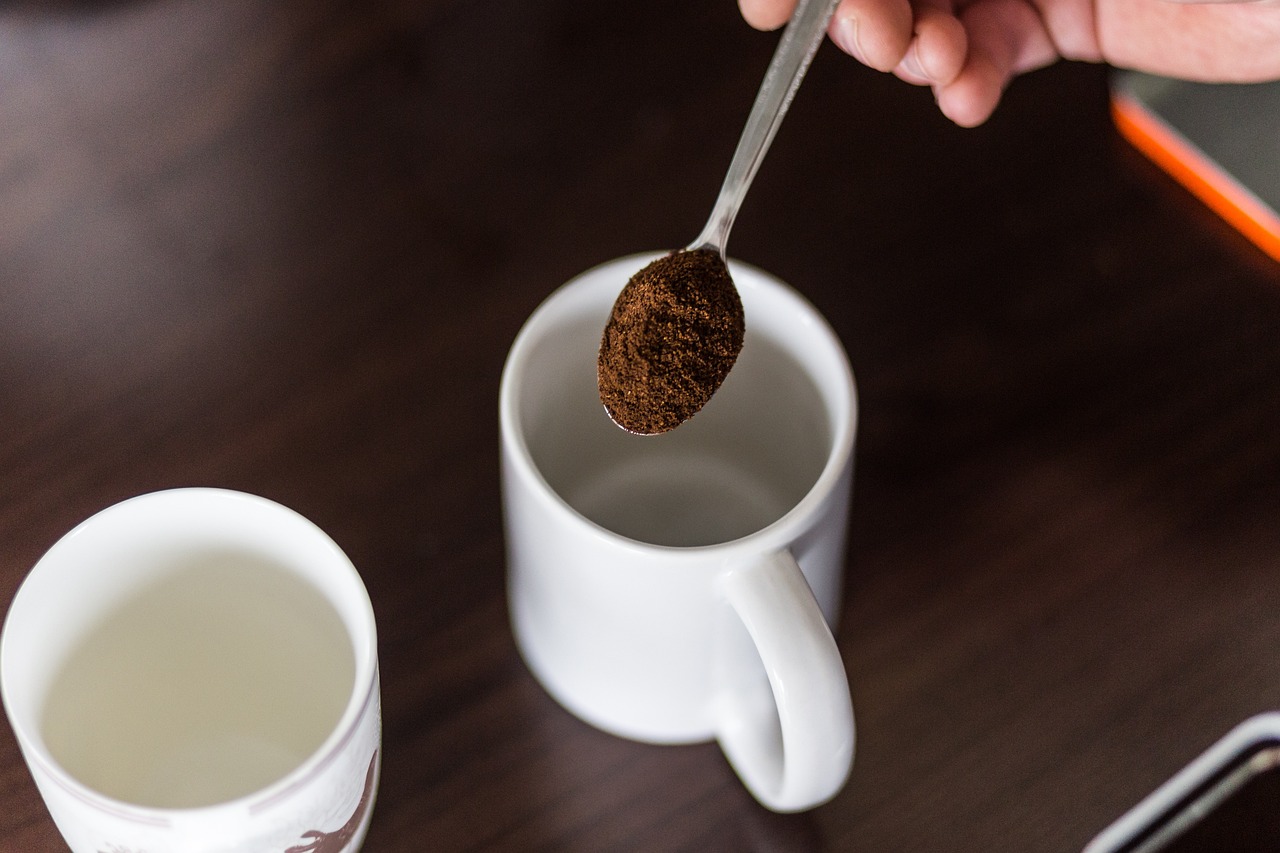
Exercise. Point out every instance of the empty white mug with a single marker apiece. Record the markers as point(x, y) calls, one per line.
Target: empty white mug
point(681, 587)
point(196, 670)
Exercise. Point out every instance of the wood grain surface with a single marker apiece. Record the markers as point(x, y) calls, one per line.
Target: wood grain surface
point(283, 247)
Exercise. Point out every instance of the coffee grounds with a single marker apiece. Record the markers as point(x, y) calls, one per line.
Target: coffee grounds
point(674, 332)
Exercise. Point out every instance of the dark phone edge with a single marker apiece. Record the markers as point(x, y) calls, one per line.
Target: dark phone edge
point(1206, 796)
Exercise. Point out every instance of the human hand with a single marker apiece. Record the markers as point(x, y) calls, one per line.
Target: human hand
point(967, 51)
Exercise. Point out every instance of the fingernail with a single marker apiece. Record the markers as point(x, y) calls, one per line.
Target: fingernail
point(846, 36)
point(911, 62)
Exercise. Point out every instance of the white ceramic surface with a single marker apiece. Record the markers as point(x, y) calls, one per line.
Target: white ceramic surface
point(678, 643)
point(322, 806)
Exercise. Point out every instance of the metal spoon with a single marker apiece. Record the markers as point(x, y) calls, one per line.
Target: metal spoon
point(790, 61)
point(676, 328)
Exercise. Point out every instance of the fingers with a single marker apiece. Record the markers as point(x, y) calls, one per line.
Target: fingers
point(937, 51)
point(1006, 37)
point(766, 14)
point(968, 58)
point(874, 32)
point(925, 45)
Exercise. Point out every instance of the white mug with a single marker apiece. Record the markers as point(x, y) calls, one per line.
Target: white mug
point(681, 587)
point(196, 670)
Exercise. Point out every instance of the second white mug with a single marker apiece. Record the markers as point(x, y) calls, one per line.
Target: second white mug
point(196, 670)
point(681, 587)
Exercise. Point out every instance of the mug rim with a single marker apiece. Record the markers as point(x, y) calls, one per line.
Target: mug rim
point(362, 694)
point(840, 406)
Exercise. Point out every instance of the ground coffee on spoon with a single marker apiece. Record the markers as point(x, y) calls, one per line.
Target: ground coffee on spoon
point(674, 333)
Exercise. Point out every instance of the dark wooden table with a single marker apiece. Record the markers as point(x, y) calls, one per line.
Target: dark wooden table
point(283, 247)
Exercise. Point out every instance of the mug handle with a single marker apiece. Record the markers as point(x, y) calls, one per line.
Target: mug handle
point(789, 739)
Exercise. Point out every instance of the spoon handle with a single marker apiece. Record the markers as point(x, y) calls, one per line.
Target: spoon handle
point(795, 51)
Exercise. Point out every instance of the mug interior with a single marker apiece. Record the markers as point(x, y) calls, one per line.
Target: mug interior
point(781, 420)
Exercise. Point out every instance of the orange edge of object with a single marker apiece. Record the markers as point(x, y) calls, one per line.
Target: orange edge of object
point(1193, 170)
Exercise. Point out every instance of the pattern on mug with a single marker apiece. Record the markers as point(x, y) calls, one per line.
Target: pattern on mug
point(336, 841)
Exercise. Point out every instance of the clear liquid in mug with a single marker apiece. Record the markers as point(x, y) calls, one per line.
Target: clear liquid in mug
point(211, 683)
